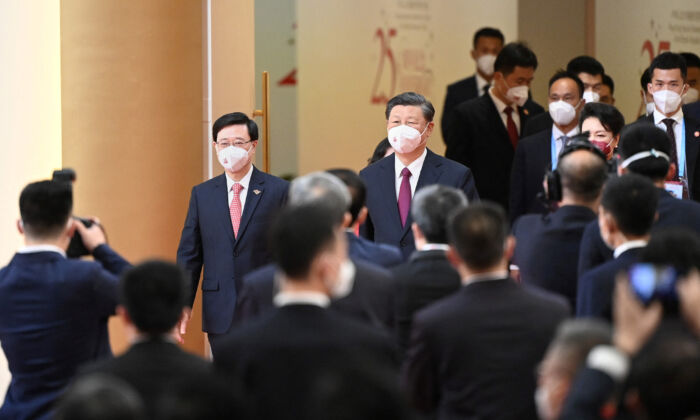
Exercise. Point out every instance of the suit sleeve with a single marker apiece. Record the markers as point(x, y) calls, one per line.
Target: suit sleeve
point(469, 187)
point(418, 375)
point(593, 251)
point(105, 278)
point(189, 252)
point(456, 137)
point(591, 391)
point(584, 297)
point(517, 184)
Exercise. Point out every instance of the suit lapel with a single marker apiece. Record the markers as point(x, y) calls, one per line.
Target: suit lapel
point(252, 198)
point(691, 146)
point(388, 187)
point(494, 116)
point(221, 207)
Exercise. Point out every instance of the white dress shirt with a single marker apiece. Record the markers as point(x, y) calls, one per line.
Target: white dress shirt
point(677, 130)
point(301, 298)
point(627, 246)
point(415, 167)
point(494, 275)
point(30, 249)
point(245, 182)
point(557, 133)
point(481, 83)
point(501, 106)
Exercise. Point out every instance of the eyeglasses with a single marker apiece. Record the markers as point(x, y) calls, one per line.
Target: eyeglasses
point(226, 142)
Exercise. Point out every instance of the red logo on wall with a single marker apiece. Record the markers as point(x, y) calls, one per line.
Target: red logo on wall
point(385, 53)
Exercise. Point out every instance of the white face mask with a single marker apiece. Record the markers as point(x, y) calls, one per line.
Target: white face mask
point(591, 96)
point(690, 96)
point(544, 410)
point(667, 101)
point(485, 63)
point(518, 94)
point(343, 285)
point(562, 113)
point(233, 158)
point(405, 139)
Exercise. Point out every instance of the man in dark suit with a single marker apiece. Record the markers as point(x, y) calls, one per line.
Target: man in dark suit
point(53, 310)
point(226, 224)
point(280, 357)
point(539, 152)
point(484, 132)
point(153, 297)
point(487, 43)
point(473, 354)
point(392, 181)
point(644, 150)
point(428, 276)
point(367, 296)
point(547, 247)
point(627, 212)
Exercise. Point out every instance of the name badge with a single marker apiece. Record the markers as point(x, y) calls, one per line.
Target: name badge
point(675, 188)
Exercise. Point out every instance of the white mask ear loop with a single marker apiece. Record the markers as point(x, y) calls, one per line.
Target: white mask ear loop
point(642, 155)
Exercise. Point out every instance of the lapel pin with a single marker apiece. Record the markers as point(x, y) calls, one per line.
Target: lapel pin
point(256, 192)
point(526, 112)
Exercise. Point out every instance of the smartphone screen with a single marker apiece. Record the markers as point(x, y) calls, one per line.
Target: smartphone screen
point(653, 282)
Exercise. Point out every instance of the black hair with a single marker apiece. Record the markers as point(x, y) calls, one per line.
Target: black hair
point(645, 79)
point(298, 234)
point(235, 118)
point(583, 177)
point(512, 55)
point(411, 99)
point(100, 396)
point(478, 234)
point(154, 294)
point(674, 246)
point(642, 137)
point(691, 60)
point(631, 200)
point(487, 33)
point(608, 81)
point(668, 61)
point(563, 74)
point(379, 151)
point(45, 207)
point(610, 117)
point(356, 186)
point(432, 206)
point(585, 64)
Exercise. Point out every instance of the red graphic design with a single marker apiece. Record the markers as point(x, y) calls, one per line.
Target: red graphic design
point(648, 47)
point(289, 80)
point(385, 53)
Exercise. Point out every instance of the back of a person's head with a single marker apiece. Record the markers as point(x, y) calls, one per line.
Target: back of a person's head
point(585, 64)
point(432, 206)
point(154, 294)
point(583, 174)
point(575, 338)
point(514, 54)
point(642, 138)
point(299, 234)
point(203, 396)
point(356, 187)
point(610, 117)
point(321, 187)
point(668, 61)
point(691, 59)
point(45, 207)
point(676, 247)
point(478, 233)
point(100, 397)
point(631, 200)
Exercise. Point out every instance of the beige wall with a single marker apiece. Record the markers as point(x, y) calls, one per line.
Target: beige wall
point(30, 112)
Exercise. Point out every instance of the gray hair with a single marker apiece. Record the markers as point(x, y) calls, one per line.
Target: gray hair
point(411, 99)
point(322, 188)
point(432, 206)
point(575, 338)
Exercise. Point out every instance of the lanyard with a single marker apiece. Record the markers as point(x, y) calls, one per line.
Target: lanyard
point(681, 158)
point(555, 157)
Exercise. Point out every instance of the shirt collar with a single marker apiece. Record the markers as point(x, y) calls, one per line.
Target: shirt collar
point(30, 249)
point(629, 245)
point(677, 117)
point(556, 132)
point(494, 275)
point(500, 105)
point(414, 166)
point(245, 181)
point(480, 83)
point(435, 247)
point(302, 298)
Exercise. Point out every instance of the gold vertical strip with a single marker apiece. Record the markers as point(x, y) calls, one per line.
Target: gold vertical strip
point(590, 28)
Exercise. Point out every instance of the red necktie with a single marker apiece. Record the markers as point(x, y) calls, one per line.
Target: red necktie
point(512, 129)
point(235, 208)
point(404, 195)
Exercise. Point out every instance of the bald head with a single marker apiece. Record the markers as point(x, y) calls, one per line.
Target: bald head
point(583, 174)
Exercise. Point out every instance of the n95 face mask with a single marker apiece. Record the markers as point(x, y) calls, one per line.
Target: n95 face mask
point(667, 100)
point(233, 158)
point(591, 96)
point(485, 63)
point(562, 113)
point(404, 139)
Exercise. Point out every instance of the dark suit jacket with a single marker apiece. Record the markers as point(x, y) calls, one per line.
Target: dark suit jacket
point(457, 92)
point(280, 358)
point(151, 367)
point(383, 255)
point(371, 300)
point(473, 354)
point(692, 110)
point(595, 288)
point(672, 213)
point(533, 157)
point(383, 223)
point(424, 279)
point(478, 139)
point(207, 239)
point(590, 391)
point(537, 123)
point(53, 318)
point(547, 248)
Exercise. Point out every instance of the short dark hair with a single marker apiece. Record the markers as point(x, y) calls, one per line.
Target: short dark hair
point(379, 151)
point(100, 396)
point(642, 137)
point(583, 177)
point(668, 61)
point(154, 294)
point(298, 234)
point(411, 99)
point(563, 74)
point(609, 116)
point(45, 207)
point(631, 200)
point(487, 32)
point(356, 187)
point(585, 64)
point(512, 55)
point(645, 79)
point(691, 59)
point(478, 234)
point(432, 206)
point(674, 246)
point(235, 118)
point(608, 81)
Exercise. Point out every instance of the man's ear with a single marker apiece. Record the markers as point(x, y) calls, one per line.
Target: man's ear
point(671, 171)
point(473, 54)
point(124, 315)
point(362, 215)
point(71, 227)
point(417, 234)
point(347, 219)
point(509, 247)
point(453, 257)
point(20, 226)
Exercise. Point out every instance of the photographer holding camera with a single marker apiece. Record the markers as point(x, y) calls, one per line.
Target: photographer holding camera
point(53, 310)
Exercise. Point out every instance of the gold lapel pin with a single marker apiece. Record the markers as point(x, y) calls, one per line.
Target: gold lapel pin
point(526, 112)
point(256, 192)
